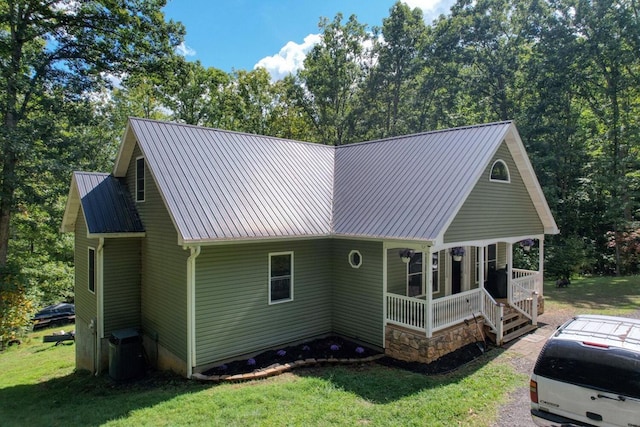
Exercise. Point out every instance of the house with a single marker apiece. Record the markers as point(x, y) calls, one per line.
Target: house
point(218, 244)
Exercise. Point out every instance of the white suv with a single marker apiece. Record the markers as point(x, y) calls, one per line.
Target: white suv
point(588, 374)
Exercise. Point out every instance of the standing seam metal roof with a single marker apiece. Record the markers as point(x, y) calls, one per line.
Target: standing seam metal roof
point(106, 204)
point(226, 185)
point(222, 185)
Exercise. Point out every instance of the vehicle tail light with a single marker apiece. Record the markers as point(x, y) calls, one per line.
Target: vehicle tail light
point(595, 344)
point(533, 391)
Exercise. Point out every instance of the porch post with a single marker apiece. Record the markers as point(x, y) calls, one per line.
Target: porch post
point(384, 294)
point(509, 271)
point(540, 282)
point(481, 266)
point(427, 274)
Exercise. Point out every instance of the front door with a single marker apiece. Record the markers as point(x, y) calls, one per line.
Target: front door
point(456, 276)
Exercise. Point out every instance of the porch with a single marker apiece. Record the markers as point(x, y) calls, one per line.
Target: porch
point(413, 332)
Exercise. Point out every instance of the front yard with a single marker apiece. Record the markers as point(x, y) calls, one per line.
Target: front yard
point(38, 385)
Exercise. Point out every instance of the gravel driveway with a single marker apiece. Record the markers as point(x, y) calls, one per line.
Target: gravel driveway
point(522, 354)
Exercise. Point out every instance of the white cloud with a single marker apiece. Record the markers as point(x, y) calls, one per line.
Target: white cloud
point(425, 5)
point(290, 58)
point(184, 50)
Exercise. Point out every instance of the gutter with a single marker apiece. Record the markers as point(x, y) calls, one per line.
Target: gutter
point(191, 309)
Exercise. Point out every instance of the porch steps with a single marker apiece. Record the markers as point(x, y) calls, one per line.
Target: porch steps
point(514, 326)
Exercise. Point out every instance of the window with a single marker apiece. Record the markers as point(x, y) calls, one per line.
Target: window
point(280, 277)
point(490, 260)
point(500, 172)
point(92, 270)
point(435, 277)
point(140, 172)
point(355, 259)
point(414, 275)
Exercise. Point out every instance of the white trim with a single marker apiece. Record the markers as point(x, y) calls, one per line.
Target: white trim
point(350, 258)
point(191, 309)
point(504, 181)
point(272, 254)
point(385, 269)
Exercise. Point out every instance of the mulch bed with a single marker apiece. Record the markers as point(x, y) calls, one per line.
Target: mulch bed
point(333, 348)
point(445, 364)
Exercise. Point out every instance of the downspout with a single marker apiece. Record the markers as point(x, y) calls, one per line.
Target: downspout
point(191, 309)
point(99, 305)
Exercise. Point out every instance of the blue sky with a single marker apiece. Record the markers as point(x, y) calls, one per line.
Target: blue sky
point(239, 34)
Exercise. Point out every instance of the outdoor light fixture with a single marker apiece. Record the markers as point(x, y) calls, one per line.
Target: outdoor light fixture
point(406, 254)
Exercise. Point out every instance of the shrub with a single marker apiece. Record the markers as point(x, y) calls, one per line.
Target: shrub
point(16, 304)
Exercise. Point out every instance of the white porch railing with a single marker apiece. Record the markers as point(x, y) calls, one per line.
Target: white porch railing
point(493, 314)
point(406, 311)
point(523, 293)
point(528, 279)
point(453, 309)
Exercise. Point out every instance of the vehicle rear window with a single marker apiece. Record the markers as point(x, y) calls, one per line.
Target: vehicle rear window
point(608, 369)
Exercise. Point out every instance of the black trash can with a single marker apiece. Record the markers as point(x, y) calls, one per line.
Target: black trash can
point(125, 355)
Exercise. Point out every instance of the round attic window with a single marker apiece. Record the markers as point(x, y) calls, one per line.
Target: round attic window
point(355, 259)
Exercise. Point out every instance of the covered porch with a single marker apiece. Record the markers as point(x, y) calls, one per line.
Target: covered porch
point(469, 283)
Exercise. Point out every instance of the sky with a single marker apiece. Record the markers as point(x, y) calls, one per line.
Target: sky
point(275, 34)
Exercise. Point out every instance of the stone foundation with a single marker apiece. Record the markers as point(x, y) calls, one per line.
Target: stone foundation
point(413, 346)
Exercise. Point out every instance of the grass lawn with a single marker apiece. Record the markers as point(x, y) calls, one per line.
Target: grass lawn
point(38, 385)
point(613, 296)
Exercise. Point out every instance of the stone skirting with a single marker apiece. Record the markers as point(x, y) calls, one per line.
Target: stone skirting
point(413, 346)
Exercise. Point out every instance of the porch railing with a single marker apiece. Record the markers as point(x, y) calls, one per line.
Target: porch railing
point(410, 312)
point(524, 298)
point(406, 311)
point(455, 308)
point(493, 314)
point(528, 279)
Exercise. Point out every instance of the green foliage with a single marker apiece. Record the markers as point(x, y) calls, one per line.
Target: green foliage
point(566, 257)
point(16, 303)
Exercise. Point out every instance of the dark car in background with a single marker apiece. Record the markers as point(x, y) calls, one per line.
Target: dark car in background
point(54, 315)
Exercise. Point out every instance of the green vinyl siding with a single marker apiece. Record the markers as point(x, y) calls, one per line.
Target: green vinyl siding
point(121, 284)
point(163, 292)
point(496, 209)
point(233, 314)
point(85, 301)
point(358, 292)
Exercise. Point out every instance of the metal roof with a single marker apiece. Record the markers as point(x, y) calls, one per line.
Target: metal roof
point(221, 185)
point(106, 204)
point(410, 187)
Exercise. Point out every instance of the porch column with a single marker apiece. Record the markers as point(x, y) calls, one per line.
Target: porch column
point(427, 274)
point(509, 271)
point(481, 266)
point(540, 283)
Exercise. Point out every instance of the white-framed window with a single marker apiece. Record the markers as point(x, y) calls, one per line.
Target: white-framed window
point(499, 172)
point(140, 178)
point(414, 275)
point(355, 258)
point(280, 277)
point(490, 260)
point(91, 269)
point(435, 272)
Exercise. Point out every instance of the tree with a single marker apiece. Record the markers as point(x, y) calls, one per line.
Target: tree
point(391, 84)
point(58, 52)
point(333, 73)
